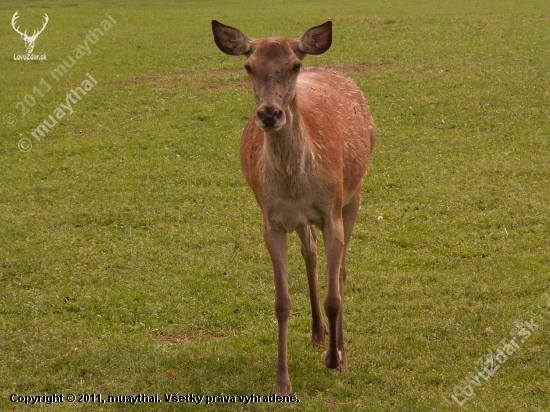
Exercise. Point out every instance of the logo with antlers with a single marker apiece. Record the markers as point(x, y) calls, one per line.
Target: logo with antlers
point(29, 40)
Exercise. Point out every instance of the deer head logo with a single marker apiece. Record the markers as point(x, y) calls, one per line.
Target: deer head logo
point(29, 40)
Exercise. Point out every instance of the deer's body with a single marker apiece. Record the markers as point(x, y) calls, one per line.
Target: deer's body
point(297, 172)
point(304, 153)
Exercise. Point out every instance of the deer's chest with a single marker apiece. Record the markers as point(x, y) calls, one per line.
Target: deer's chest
point(290, 202)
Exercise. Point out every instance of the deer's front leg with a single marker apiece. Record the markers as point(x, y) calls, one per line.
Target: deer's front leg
point(333, 236)
point(275, 240)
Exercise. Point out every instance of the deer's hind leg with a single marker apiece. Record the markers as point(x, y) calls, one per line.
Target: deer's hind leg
point(349, 216)
point(308, 238)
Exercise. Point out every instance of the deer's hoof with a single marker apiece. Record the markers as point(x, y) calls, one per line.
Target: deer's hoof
point(282, 389)
point(318, 338)
point(332, 362)
point(343, 366)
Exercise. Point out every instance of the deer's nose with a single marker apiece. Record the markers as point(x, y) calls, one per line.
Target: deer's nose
point(269, 115)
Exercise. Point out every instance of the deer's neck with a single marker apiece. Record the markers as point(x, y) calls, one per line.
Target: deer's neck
point(287, 151)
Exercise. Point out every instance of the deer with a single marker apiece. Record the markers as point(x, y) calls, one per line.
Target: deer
point(304, 153)
point(29, 40)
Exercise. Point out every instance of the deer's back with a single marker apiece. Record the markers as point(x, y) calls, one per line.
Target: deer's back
point(337, 115)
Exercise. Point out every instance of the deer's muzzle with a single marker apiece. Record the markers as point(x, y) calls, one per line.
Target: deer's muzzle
point(270, 116)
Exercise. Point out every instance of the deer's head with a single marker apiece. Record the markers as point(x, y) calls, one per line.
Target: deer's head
point(273, 65)
point(29, 40)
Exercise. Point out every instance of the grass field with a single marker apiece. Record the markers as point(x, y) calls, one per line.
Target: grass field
point(131, 254)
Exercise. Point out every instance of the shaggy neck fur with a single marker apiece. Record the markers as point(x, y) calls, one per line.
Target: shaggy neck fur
point(287, 150)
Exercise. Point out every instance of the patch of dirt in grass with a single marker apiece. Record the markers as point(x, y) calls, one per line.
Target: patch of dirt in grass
point(152, 78)
point(379, 24)
point(239, 84)
point(142, 79)
point(217, 78)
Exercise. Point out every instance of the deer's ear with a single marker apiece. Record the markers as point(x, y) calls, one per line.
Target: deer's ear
point(316, 40)
point(230, 40)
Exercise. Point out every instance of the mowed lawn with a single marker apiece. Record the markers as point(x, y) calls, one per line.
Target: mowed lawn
point(131, 255)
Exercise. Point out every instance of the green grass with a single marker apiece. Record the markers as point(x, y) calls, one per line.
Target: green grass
point(131, 256)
